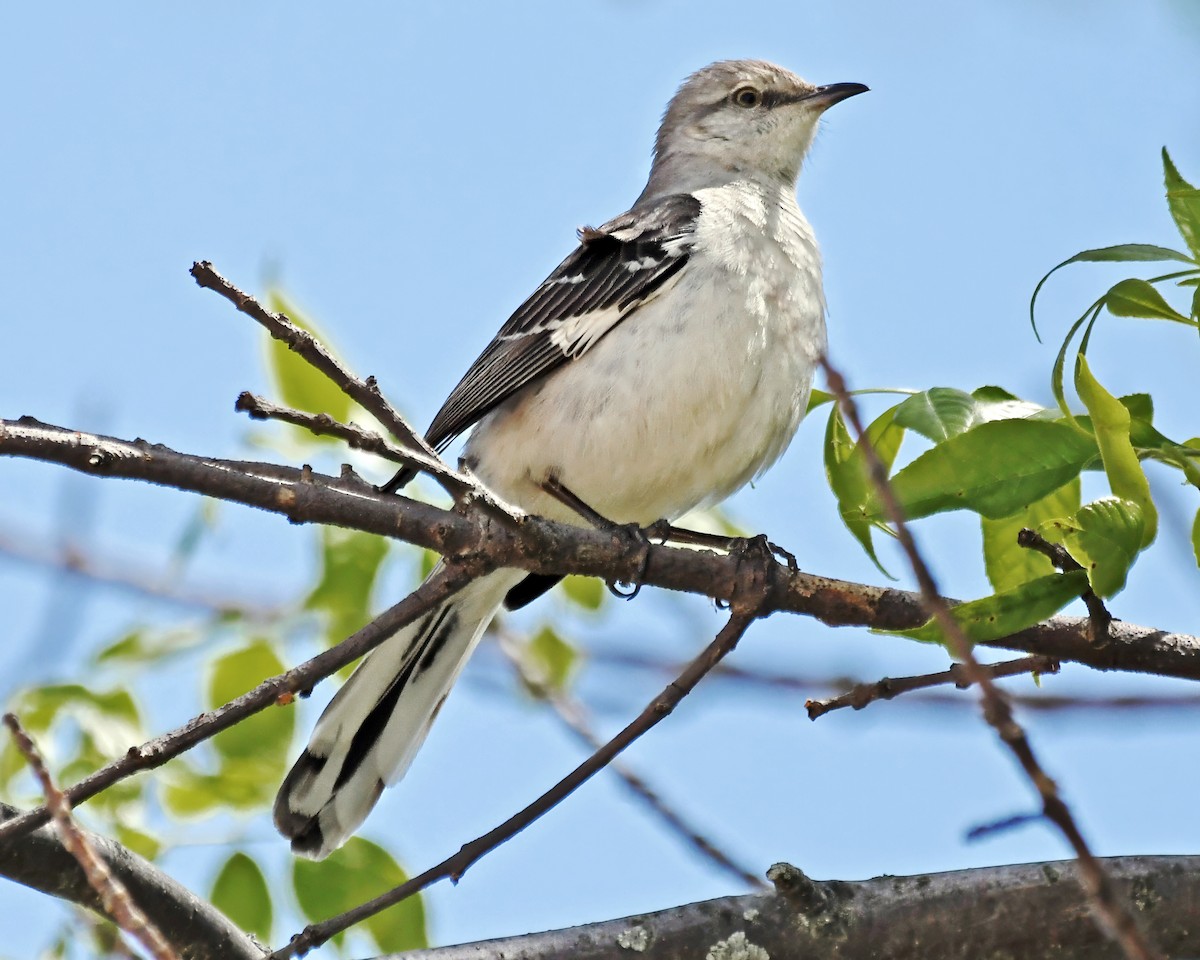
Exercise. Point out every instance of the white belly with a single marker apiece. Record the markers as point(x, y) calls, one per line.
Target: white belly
point(687, 399)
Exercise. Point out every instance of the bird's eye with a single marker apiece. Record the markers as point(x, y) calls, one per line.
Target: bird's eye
point(746, 97)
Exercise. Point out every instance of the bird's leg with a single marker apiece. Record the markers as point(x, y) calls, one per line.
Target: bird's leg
point(663, 531)
point(568, 498)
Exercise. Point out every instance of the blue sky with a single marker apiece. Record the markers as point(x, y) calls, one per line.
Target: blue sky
point(408, 173)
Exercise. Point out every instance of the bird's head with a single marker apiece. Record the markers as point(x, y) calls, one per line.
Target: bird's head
point(742, 117)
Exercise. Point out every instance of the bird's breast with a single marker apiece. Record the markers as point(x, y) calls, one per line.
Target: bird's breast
point(688, 398)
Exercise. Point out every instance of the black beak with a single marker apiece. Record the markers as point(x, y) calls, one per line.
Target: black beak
point(826, 96)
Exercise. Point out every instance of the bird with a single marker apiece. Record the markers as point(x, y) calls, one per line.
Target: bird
point(664, 364)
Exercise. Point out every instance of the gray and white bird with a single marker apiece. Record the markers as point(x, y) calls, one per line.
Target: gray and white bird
point(664, 364)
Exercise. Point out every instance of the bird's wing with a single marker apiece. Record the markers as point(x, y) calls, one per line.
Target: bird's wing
point(615, 269)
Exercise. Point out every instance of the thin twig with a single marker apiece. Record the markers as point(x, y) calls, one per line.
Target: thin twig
point(322, 424)
point(793, 683)
point(887, 688)
point(455, 866)
point(572, 714)
point(1111, 912)
point(985, 830)
point(114, 897)
point(1099, 617)
point(363, 392)
point(275, 690)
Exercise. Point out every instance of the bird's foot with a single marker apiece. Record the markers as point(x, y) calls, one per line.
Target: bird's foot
point(632, 534)
point(663, 531)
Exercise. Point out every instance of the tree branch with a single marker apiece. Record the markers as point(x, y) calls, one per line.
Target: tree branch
point(322, 424)
point(1031, 911)
point(543, 546)
point(867, 693)
point(39, 860)
point(115, 898)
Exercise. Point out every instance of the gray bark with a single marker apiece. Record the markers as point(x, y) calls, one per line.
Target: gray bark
point(1026, 912)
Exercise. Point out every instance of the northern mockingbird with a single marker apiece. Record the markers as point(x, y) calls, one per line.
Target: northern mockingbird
point(665, 363)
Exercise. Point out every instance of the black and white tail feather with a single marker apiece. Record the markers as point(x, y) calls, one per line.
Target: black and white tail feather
point(372, 729)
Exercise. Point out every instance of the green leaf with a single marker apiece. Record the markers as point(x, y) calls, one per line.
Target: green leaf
point(1184, 202)
point(586, 592)
point(40, 706)
point(994, 469)
point(817, 398)
point(265, 736)
point(1060, 361)
point(299, 384)
point(1002, 614)
point(1105, 536)
point(1009, 565)
point(846, 471)
point(105, 724)
point(1139, 405)
point(241, 893)
point(245, 784)
point(138, 841)
point(1121, 253)
point(143, 647)
point(549, 660)
point(1148, 442)
point(1137, 298)
point(1196, 538)
point(938, 413)
point(996, 403)
point(1111, 423)
point(202, 521)
point(186, 793)
point(350, 563)
point(357, 872)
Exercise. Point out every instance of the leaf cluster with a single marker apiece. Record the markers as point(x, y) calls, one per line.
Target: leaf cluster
point(1018, 464)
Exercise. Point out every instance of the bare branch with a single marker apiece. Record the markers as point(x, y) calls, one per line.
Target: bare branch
point(114, 897)
point(279, 690)
point(1112, 913)
point(322, 424)
point(889, 687)
point(542, 546)
point(804, 684)
point(453, 867)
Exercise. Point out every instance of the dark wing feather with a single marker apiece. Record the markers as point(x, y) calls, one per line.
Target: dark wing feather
point(614, 270)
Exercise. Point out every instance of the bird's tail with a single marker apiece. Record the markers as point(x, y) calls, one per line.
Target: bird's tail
point(369, 733)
